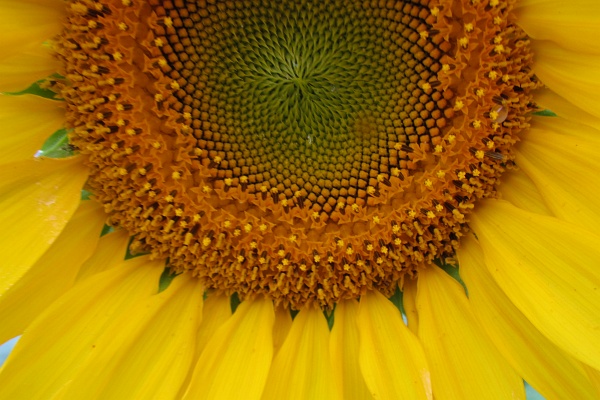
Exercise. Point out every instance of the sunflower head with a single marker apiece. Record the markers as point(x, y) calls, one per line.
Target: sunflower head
point(306, 151)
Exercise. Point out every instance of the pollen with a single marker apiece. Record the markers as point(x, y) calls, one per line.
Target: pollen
point(301, 151)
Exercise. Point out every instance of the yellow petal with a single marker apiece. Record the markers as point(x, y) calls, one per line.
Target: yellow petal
point(464, 363)
point(565, 170)
point(54, 273)
point(235, 363)
point(409, 296)
point(520, 190)
point(547, 99)
point(111, 252)
point(549, 270)
point(594, 376)
point(26, 121)
point(391, 358)
point(37, 199)
point(344, 345)
point(146, 352)
point(283, 324)
point(543, 365)
point(215, 312)
point(571, 24)
point(19, 71)
point(53, 348)
point(302, 369)
point(564, 126)
point(573, 76)
point(26, 24)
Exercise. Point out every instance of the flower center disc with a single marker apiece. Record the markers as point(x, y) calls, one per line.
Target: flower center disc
point(303, 150)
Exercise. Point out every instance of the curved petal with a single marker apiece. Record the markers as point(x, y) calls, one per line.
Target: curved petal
point(216, 310)
point(111, 251)
point(302, 369)
point(574, 76)
point(409, 296)
point(26, 121)
point(564, 126)
point(37, 199)
point(549, 270)
point(21, 70)
point(344, 347)
point(543, 365)
point(146, 352)
point(235, 363)
point(283, 324)
point(571, 24)
point(464, 363)
point(58, 265)
point(520, 190)
point(565, 170)
point(56, 344)
point(28, 23)
point(547, 99)
point(391, 358)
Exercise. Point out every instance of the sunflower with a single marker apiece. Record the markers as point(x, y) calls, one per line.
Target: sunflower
point(248, 199)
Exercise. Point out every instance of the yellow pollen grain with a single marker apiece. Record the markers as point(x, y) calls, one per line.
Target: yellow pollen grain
point(169, 198)
point(458, 105)
point(262, 227)
point(479, 154)
point(464, 41)
point(461, 175)
point(156, 145)
point(428, 183)
point(206, 242)
point(123, 26)
point(376, 219)
point(430, 215)
point(440, 174)
point(176, 175)
point(349, 251)
point(281, 253)
point(469, 27)
point(494, 115)
point(206, 189)
point(477, 124)
point(435, 11)
point(479, 92)
point(248, 228)
point(226, 224)
point(159, 42)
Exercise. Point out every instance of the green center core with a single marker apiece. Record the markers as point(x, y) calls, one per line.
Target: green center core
point(308, 98)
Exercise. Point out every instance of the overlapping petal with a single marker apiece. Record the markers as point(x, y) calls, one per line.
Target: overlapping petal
point(548, 269)
point(59, 341)
point(29, 296)
point(391, 358)
point(464, 363)
point(565, 170)
point(236, 360)
point(547, 368)
point(37, 199)
point(146, 352)
point(302, 368)
point(571, 24)
point(27, 121)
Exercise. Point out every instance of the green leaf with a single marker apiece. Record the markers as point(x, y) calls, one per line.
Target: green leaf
point(166, 278)
point(56, 146)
